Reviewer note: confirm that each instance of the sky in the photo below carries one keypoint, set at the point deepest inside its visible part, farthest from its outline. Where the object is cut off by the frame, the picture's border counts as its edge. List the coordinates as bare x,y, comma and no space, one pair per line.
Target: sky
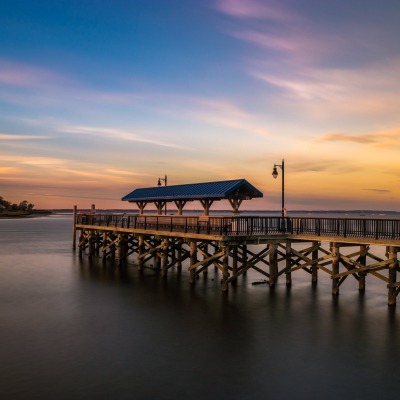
99,97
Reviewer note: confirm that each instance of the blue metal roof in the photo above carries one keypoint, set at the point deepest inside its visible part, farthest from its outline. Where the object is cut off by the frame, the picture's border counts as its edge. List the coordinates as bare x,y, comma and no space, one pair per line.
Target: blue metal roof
238,188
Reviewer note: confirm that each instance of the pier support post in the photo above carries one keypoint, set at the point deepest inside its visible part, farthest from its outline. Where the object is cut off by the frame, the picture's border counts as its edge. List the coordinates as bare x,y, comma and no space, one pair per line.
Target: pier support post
90,245
140,252
392,255
362,274
288,273
157,259
314,267
225,268
234,263
120,249
205,271
335,267
97,243
273,265
179,263
74,228
193,261
244,262
80,243
164,264
104,248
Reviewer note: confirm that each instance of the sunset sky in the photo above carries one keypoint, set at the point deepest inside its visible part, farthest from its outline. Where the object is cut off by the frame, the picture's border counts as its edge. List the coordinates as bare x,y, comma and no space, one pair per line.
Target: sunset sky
99,97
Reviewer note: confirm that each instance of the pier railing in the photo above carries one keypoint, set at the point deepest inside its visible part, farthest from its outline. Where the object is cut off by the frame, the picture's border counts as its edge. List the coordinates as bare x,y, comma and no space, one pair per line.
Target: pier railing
249,226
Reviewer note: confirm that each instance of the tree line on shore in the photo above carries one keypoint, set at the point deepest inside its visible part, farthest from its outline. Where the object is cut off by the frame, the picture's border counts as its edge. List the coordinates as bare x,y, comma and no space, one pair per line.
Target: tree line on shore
23,206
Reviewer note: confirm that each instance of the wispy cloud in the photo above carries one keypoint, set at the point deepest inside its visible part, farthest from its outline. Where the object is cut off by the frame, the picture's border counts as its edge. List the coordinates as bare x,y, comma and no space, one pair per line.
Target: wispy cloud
377,190
112,133
386,138
254,9
5,136
214,111
27,84
25,75
328,92
316,71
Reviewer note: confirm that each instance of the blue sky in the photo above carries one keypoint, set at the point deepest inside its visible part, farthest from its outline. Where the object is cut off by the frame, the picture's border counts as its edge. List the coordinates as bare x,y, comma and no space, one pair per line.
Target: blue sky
100,97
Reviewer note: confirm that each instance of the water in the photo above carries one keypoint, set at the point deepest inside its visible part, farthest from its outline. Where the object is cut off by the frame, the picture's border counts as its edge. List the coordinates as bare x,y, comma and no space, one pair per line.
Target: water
71,329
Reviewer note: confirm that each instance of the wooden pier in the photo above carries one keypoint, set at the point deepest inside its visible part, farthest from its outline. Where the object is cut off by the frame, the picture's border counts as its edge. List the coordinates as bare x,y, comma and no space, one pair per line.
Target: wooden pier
272,246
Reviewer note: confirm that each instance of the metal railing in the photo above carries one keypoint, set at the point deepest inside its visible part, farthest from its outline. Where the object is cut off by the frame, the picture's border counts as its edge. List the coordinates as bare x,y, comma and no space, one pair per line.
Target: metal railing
248,226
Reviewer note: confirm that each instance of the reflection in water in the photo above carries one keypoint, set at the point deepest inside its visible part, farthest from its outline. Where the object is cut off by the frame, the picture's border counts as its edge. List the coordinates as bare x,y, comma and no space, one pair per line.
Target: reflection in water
79,329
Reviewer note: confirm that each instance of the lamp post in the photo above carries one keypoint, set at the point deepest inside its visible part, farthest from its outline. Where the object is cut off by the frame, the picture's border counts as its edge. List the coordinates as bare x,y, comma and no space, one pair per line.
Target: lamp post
165,184
275,175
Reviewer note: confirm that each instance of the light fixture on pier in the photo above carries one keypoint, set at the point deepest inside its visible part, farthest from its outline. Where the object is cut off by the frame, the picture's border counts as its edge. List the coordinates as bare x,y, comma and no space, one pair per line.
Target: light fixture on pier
165,184
162,179
275,175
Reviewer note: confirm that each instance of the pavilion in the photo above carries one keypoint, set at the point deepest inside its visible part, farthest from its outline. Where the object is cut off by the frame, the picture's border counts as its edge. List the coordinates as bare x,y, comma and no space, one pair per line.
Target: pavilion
235,191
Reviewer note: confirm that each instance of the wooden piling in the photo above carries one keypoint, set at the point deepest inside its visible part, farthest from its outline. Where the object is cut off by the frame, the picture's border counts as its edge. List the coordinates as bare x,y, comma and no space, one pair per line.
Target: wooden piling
225,268
74,227
180,255
234,263
193,261
314,266
362,274
392,288
244,258
288,272
164,263
273,265
335,267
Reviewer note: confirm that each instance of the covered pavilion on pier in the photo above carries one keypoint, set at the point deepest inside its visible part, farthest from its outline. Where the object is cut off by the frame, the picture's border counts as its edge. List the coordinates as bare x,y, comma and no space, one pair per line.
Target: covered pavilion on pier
235,191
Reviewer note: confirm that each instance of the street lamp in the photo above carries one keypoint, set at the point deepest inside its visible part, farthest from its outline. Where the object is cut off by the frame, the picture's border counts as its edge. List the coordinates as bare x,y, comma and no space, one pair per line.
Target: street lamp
275,175
165,184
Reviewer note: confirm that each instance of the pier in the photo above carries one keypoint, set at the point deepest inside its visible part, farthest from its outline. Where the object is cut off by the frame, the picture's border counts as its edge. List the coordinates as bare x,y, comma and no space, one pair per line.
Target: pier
275,247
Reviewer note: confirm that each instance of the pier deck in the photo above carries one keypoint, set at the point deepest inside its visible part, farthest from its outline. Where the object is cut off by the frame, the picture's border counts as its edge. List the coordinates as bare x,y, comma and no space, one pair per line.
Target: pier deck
272,246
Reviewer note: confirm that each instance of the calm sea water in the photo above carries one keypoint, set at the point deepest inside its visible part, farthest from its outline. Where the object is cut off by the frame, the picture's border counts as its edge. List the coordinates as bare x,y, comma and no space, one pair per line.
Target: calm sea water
71,329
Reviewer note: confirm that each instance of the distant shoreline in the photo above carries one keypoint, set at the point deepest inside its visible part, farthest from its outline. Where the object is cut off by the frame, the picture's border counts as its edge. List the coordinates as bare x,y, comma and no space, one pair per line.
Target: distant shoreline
24,214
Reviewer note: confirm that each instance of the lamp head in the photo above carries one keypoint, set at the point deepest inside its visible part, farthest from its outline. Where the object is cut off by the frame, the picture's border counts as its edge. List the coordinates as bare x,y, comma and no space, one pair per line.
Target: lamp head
275,172
159,182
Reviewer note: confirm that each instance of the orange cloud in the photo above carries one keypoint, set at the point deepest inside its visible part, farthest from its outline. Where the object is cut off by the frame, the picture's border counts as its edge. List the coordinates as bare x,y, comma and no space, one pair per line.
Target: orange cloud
378,138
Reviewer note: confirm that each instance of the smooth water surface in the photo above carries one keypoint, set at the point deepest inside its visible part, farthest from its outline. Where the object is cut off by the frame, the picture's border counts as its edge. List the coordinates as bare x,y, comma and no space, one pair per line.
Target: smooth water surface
71,329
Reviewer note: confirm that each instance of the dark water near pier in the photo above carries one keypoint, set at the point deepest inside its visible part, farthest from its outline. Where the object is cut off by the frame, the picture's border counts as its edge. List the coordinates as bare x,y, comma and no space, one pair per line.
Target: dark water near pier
71,329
